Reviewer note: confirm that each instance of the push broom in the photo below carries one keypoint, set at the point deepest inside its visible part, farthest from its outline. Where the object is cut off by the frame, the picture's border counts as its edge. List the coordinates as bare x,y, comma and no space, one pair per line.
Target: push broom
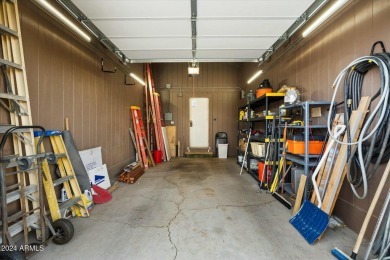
340,254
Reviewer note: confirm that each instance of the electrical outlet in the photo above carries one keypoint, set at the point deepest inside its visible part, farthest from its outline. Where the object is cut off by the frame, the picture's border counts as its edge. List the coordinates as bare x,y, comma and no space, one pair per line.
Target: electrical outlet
316,112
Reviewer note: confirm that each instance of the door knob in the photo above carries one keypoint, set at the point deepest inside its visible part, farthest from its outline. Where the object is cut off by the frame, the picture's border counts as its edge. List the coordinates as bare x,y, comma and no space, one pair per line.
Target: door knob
190,123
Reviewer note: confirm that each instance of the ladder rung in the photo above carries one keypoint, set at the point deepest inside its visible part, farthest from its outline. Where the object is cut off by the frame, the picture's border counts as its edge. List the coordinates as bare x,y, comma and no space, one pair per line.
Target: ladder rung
21,171
4,128
60,155
5,29
62,180
14,217
10,63
13,186
13,97
70,202
15,195
18,227
18,215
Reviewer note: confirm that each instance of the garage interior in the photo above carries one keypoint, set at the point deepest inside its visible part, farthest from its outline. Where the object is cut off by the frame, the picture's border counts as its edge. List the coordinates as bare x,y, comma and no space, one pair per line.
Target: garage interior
209,121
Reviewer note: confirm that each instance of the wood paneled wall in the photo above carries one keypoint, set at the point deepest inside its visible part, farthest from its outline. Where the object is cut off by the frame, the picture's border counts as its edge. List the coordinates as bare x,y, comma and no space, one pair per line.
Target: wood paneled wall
65,81
219,82
316,61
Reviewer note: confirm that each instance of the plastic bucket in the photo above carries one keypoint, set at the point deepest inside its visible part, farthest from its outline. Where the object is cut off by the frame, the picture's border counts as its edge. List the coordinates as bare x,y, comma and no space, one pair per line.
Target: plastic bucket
222,150
157,156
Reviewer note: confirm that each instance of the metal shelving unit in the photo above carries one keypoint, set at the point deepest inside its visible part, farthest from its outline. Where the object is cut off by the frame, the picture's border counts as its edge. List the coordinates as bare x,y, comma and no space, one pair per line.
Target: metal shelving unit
308,161
256,104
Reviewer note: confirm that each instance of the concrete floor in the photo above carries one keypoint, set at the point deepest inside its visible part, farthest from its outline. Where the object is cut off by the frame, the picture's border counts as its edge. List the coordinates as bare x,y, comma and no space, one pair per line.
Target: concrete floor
193,209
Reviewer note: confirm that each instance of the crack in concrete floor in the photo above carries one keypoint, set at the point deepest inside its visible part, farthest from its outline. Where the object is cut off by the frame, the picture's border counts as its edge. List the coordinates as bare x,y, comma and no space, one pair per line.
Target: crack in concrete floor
181,194
179,210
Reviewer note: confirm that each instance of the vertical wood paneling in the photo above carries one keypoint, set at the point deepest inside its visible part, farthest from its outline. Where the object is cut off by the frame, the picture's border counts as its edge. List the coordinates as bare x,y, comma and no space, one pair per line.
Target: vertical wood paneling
65,80
68,85
93,105
334,54
217,81
53,104
31,43
45,74
77,99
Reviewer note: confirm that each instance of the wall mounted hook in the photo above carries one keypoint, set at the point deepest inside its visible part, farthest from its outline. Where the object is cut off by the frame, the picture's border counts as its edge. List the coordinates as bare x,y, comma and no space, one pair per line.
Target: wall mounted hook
109,71
128,84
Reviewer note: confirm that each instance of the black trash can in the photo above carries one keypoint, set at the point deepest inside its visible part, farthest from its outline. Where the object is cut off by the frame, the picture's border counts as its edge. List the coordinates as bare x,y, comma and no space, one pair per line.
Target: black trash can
220,138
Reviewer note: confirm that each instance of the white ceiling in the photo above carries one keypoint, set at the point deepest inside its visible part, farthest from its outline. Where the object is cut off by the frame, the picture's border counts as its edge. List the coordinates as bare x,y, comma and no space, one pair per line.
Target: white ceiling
160,30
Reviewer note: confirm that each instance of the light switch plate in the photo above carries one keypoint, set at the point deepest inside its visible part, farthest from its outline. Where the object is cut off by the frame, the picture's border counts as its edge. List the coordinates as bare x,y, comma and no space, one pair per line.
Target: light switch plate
168,116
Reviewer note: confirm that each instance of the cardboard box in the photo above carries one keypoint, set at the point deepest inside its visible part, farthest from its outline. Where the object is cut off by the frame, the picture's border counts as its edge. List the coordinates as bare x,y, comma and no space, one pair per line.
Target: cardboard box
92,158
242,144
99,177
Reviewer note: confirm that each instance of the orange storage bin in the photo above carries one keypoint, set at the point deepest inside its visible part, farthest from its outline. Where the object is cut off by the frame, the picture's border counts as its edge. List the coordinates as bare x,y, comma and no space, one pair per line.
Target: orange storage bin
262,91
296,144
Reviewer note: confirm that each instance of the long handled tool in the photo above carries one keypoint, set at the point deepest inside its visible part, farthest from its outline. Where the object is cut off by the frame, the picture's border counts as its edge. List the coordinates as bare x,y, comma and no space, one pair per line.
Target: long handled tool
340,254
282,162
246,152
282,165
311,221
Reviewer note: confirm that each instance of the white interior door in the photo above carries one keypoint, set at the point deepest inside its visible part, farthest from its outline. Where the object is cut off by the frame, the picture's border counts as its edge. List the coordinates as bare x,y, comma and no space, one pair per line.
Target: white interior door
199,122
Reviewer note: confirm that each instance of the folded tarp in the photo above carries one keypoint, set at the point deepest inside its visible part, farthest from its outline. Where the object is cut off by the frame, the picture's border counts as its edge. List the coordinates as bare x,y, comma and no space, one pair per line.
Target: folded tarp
77,163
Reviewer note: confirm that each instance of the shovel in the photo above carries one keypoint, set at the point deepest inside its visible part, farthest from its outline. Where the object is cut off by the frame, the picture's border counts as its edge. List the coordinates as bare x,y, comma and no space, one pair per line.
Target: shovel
310,220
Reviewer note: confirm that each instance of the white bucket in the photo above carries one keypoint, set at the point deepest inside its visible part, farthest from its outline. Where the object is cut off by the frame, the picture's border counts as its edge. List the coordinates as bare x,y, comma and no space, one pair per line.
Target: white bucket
222,150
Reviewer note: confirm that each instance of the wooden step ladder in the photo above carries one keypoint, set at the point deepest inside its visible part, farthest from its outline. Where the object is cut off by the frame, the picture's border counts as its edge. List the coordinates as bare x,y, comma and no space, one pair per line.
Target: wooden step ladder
14,98
140,137
68,180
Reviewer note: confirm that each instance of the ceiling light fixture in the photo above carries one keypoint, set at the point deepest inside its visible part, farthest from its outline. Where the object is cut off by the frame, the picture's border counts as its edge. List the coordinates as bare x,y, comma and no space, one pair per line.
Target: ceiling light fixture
255,76
140,81
64,19
328,13
193,69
